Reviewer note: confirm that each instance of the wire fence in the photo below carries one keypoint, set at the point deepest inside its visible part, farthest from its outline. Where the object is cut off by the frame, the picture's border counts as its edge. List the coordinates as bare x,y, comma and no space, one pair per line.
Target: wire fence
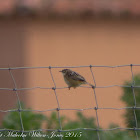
58,109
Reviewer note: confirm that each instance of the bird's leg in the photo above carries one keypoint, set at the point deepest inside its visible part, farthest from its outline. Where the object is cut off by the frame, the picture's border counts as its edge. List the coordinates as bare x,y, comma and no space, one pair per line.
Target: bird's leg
69,88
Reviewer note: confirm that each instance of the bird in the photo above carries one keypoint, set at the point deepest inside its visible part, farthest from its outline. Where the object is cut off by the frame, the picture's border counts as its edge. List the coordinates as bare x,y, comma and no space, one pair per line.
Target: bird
73,79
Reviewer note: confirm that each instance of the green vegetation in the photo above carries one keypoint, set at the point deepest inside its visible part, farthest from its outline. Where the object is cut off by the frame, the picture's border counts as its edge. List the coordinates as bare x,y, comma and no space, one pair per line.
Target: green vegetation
33,121
129,100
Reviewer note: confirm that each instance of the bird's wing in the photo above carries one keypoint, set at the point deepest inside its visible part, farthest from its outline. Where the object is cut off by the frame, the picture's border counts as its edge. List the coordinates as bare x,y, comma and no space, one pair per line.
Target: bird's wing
76,76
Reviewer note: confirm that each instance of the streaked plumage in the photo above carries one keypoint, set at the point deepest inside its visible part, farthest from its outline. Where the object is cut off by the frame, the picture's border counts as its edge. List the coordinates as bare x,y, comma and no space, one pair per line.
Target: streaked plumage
73,79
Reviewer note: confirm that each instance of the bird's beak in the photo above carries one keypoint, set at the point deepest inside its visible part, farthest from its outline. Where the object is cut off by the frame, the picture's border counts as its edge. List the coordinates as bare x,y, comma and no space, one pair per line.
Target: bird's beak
60,71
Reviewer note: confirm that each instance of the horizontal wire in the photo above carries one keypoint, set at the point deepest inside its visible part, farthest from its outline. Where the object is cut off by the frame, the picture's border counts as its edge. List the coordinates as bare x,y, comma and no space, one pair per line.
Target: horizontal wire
32,88
17,68
74,109
77,129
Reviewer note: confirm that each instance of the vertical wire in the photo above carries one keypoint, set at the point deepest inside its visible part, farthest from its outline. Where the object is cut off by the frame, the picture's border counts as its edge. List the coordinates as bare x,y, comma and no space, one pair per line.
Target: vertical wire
96,108
18,99
58,109
135,103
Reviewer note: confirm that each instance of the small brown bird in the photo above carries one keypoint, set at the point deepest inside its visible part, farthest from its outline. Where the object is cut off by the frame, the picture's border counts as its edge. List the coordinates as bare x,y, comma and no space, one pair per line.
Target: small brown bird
73,79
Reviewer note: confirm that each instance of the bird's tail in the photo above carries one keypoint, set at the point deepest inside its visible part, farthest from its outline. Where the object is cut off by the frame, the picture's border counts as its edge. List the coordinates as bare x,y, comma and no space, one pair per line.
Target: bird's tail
90,85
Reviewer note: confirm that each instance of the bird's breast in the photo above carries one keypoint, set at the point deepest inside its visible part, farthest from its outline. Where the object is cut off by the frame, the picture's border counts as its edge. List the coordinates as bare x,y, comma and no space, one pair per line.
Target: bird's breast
71,82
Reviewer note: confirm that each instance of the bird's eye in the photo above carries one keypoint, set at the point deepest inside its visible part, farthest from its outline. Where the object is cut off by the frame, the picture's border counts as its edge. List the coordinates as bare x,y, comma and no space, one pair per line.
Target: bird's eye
64,71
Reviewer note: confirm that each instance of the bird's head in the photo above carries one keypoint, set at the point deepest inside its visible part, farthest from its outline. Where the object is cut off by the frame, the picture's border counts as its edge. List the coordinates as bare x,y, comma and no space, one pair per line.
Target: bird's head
64,71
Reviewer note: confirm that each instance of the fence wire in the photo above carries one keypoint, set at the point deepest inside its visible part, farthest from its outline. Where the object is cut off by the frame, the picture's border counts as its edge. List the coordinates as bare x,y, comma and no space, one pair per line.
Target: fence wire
58,109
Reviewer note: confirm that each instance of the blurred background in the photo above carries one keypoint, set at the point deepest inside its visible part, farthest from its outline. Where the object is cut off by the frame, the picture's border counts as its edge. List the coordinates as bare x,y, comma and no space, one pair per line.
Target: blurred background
69,33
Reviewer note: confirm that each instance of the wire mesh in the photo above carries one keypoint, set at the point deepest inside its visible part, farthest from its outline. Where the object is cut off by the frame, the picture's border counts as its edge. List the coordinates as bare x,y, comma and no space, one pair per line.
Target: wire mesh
96,108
